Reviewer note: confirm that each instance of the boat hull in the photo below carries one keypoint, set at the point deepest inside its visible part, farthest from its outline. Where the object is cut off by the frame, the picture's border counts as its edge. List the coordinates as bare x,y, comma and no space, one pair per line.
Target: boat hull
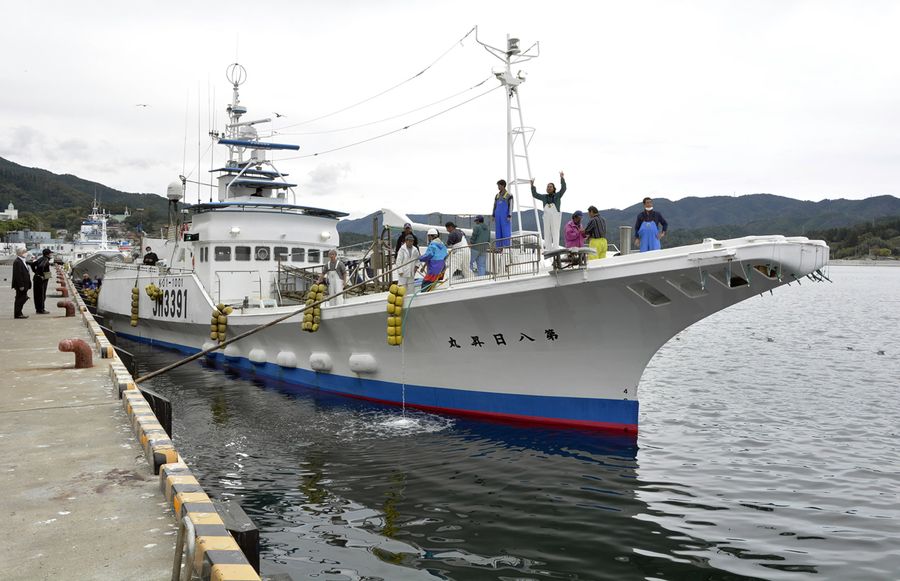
563,348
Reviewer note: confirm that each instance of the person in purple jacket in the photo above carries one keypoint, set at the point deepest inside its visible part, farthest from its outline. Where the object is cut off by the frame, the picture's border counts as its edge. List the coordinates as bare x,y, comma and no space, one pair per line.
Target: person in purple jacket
574,235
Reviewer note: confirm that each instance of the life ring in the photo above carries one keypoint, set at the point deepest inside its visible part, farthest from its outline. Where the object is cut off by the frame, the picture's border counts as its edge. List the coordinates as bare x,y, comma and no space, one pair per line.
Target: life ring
262,253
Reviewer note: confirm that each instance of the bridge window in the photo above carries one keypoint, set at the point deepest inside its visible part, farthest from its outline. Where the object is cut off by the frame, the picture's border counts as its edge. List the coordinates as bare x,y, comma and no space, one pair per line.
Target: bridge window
242,253
314,256
262,253
281,253
298,254
223,253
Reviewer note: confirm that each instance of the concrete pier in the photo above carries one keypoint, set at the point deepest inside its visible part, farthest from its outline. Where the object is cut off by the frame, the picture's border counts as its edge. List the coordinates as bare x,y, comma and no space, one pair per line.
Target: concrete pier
78,498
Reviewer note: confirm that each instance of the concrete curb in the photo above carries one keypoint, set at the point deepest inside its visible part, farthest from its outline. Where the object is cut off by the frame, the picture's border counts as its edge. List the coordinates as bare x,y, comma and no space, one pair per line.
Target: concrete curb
217,557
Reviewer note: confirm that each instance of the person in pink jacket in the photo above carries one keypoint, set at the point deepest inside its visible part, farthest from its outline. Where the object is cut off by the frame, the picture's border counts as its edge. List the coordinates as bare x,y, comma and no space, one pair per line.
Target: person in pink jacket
575,235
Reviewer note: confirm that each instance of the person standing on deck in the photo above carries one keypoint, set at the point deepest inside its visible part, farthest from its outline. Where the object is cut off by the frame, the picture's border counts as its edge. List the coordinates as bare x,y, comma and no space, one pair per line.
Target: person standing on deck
21,282
407,260
649,228
335,276
407,231
435,260
479,241
596,233
150,259
574,231
459,258
552,200
502,212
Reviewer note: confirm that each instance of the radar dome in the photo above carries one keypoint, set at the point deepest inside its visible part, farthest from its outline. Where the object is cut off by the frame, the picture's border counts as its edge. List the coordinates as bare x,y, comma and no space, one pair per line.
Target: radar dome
175,191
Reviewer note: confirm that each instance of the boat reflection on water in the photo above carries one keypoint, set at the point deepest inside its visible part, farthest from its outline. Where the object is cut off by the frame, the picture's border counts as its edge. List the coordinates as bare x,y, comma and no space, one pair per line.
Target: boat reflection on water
354,490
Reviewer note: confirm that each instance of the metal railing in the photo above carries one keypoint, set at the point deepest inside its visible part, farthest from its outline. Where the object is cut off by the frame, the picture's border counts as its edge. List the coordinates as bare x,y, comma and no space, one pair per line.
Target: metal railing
522,257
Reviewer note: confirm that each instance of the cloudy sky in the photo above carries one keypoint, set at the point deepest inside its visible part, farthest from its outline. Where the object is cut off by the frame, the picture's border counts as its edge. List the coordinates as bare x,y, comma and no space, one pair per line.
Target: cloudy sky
669,99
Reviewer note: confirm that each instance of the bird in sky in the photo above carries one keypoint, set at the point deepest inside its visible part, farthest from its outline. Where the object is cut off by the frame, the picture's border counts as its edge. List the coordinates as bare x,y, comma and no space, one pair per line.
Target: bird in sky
278,114
142,105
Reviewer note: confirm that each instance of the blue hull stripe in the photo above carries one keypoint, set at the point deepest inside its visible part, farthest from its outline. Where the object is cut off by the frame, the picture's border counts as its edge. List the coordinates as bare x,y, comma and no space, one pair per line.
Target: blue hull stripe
530,408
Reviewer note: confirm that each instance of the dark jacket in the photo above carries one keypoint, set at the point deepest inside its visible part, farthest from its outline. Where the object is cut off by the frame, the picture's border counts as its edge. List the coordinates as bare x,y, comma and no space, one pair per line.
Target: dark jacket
21,277
150,259
596,227
401,239
40,266
651,216
554,198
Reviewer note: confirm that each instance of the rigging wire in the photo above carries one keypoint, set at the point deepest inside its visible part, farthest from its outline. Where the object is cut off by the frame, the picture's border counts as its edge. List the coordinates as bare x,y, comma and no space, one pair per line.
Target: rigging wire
475,86
405,127
199,161
366,100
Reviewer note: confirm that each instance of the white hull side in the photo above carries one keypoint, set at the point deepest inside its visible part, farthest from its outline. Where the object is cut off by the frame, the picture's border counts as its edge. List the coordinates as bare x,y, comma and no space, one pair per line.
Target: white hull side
573,335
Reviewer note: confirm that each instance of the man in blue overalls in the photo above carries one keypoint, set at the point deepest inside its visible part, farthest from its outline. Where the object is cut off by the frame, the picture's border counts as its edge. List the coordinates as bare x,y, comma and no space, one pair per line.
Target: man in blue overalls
649,228
503,206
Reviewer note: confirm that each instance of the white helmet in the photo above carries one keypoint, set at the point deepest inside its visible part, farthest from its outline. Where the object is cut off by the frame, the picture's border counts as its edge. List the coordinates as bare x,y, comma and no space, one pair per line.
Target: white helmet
433,232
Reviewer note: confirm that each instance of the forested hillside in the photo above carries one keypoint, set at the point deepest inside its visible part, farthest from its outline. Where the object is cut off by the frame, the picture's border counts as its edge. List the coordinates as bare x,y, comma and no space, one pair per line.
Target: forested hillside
47,201
879,238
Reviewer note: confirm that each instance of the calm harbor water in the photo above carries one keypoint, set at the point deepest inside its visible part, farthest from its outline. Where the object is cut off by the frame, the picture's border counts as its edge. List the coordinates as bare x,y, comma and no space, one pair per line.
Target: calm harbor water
768,450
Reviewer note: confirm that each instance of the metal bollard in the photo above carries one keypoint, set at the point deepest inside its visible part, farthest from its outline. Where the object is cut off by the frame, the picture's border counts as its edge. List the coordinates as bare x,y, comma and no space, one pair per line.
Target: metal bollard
69,306
625,239
84,357
63,290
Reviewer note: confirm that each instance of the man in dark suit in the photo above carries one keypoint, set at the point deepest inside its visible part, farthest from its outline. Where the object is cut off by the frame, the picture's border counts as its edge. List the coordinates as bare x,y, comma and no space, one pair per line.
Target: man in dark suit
41,268
21,282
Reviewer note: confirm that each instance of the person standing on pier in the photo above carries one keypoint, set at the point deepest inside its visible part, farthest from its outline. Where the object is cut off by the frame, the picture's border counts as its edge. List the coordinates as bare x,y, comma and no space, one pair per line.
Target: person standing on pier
503,205
41,269
552,200
21,282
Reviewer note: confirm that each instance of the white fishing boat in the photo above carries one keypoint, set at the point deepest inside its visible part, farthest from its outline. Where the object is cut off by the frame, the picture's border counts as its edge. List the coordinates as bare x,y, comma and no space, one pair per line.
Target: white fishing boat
556,341
91,247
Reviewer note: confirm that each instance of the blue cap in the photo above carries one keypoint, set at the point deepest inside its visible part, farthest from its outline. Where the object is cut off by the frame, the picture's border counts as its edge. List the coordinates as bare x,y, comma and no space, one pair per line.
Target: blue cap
577,213
479,218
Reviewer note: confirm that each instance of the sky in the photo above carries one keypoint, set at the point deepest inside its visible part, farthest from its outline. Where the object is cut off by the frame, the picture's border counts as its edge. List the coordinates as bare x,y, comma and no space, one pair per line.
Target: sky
661,98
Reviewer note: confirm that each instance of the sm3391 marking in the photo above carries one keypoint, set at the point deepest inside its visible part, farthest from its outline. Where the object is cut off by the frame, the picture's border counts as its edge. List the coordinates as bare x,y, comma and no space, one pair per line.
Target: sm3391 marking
174,304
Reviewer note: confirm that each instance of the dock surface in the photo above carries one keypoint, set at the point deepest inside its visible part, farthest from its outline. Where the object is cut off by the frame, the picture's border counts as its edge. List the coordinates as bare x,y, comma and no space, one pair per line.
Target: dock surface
79,499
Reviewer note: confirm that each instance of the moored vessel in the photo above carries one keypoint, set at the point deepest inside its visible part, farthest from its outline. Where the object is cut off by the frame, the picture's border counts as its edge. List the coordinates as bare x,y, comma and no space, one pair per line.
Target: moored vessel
542,337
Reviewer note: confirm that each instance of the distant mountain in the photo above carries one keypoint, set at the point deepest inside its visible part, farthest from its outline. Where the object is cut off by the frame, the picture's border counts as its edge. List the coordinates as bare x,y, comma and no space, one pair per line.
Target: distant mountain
694,218
62,200
56,199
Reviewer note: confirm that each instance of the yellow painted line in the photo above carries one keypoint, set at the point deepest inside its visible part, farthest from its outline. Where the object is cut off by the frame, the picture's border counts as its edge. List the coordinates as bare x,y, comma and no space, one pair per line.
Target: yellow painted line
229,572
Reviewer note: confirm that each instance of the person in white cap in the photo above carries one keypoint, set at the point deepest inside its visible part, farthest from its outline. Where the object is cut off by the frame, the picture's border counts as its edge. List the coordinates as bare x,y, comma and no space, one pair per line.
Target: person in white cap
434,258
21,282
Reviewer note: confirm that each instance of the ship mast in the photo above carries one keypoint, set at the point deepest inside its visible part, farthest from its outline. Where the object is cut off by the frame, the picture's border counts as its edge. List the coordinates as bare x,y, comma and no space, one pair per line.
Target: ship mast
518,136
